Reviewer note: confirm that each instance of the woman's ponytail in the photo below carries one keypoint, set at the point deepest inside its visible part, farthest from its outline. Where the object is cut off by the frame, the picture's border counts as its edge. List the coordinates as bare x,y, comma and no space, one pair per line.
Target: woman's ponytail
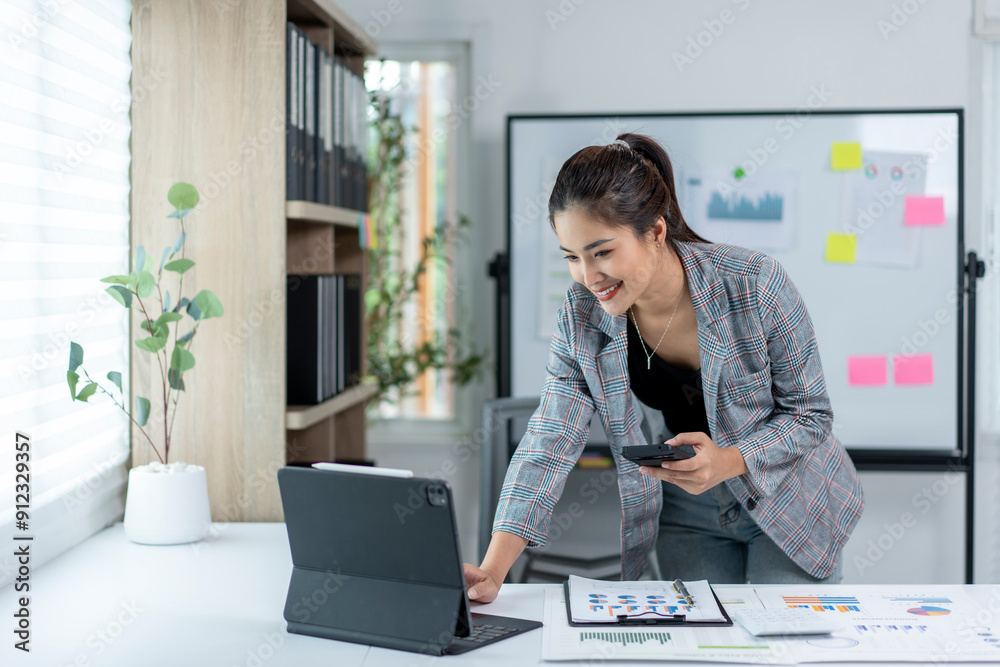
628,183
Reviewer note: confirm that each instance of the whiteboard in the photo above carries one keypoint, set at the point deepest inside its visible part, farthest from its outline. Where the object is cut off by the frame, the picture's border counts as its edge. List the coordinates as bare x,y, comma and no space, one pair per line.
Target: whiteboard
900,297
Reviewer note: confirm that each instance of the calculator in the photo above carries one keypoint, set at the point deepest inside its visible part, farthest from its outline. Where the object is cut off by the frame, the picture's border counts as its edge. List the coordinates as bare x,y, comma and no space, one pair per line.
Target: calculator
761,622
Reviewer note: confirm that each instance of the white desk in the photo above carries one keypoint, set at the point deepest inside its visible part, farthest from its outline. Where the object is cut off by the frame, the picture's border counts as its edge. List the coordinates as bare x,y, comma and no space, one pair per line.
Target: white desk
217,603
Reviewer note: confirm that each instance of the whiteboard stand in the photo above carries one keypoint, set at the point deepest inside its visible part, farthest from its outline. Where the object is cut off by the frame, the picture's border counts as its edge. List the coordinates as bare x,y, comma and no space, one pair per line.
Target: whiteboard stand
974,269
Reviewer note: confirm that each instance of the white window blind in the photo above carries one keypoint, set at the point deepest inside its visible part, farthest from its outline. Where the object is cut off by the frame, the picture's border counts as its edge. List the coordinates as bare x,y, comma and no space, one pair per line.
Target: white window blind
64,224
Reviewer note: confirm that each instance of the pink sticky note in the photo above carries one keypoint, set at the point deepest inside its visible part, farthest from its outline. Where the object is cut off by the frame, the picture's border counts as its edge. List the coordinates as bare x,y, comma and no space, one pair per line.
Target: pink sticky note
913,368
923,211
867,371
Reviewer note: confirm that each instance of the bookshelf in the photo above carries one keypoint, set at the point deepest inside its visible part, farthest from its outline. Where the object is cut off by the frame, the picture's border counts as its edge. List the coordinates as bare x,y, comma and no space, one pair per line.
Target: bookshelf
307,211
209,103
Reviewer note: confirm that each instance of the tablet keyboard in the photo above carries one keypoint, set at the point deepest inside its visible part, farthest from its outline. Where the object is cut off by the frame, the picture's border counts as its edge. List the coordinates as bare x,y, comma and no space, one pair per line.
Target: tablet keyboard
482,633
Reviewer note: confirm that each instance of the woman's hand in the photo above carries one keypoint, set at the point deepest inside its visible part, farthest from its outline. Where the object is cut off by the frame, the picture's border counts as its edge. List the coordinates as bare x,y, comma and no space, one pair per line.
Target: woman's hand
711,465
481,585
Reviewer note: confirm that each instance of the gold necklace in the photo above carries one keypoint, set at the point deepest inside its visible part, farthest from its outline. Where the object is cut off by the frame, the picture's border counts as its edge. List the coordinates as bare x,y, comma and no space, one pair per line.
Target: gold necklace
649,356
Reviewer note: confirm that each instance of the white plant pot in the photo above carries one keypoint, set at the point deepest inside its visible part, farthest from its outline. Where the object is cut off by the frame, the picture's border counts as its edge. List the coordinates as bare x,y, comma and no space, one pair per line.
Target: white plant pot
167,504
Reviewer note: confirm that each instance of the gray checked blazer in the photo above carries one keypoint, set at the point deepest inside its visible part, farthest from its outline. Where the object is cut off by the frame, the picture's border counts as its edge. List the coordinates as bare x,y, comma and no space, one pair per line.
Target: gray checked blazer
764,393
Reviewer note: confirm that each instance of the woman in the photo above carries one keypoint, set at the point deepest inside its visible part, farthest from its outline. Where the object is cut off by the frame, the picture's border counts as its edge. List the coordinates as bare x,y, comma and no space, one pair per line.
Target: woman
716,339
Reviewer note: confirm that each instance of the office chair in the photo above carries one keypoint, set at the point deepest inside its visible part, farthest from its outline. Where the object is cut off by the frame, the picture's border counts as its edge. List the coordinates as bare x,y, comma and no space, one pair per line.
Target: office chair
588,543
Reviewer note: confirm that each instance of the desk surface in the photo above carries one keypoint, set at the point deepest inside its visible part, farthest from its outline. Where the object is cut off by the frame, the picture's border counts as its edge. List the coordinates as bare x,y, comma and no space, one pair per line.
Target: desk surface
215,603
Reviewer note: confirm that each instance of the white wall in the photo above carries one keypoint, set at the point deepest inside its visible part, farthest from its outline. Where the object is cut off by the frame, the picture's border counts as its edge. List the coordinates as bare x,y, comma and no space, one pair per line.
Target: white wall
602,56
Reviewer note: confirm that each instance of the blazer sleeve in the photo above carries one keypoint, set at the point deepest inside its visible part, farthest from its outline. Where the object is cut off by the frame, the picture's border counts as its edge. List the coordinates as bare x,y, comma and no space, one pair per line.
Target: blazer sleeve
555,436
802,418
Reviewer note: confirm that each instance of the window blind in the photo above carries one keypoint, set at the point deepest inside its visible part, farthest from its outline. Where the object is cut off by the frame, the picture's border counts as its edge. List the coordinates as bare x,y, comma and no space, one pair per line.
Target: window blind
65,96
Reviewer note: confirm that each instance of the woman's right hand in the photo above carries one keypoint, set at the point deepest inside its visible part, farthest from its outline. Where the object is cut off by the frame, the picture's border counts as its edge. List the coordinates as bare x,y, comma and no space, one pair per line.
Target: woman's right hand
481,585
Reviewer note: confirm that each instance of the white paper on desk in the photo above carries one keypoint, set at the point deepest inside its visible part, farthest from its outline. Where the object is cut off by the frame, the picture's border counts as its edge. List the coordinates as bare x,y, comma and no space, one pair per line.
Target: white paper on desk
598,601
926,623
731,644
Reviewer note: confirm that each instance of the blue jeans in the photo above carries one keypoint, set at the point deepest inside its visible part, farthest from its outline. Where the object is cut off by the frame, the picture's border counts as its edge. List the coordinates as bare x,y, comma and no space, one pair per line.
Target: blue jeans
710,536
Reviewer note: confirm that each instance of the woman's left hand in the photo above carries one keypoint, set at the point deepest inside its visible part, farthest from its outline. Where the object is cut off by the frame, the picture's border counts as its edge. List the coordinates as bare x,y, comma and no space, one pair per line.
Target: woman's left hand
710,466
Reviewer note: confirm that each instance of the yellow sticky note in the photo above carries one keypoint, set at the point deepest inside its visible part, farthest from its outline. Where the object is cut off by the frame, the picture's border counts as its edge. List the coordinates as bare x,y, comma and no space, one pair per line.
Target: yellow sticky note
845,155
841,248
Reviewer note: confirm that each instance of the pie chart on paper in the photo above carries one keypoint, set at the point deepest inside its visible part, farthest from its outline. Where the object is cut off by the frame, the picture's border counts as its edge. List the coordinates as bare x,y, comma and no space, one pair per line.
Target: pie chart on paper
925,610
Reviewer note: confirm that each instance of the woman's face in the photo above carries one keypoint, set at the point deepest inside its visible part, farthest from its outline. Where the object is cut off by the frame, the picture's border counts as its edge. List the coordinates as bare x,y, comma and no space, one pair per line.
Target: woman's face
612,263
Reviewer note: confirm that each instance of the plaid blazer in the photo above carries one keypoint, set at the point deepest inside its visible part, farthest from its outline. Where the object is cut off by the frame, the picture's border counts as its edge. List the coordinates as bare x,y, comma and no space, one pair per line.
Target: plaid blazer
764,393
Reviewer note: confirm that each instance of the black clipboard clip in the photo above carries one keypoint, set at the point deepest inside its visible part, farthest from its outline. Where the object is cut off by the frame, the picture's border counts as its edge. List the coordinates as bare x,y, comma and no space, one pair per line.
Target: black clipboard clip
657,620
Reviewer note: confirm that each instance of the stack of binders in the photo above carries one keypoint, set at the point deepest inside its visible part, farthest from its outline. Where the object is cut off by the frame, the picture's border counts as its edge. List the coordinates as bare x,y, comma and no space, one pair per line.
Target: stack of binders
326,125
324,336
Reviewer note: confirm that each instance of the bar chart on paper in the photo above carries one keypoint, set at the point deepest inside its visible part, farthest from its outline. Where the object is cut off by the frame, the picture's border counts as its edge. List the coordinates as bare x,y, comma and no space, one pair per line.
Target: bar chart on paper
613,605
625,638
560,641
823,603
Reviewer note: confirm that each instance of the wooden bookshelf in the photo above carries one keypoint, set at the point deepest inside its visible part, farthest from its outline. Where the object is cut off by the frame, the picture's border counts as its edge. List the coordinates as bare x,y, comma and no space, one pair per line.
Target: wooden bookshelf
300,417
308,211
208,84
348,35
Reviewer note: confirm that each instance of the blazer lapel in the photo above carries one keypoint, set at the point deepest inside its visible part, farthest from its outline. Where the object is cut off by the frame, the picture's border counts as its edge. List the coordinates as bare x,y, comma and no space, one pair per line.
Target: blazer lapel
711,306
612,367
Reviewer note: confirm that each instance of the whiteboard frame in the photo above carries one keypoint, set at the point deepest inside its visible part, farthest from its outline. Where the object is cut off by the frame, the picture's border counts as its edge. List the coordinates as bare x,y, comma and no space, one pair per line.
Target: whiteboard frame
867,458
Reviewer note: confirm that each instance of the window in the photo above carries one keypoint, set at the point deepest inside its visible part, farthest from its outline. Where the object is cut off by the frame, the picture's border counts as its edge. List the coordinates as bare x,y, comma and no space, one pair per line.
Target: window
64,224
425,94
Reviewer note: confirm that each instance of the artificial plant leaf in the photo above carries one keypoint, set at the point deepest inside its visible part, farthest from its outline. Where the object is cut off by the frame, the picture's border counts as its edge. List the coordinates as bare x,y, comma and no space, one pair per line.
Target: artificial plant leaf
120,280
180,213
151,344
166,302
72,379
116,377
176,379
180,304
141,410
186,337
147,283
181,360
121,295
183,196
209,304
179,265
140,258
133,279
156,329
193,310
75,355
162,320
163,260
87,392
180,243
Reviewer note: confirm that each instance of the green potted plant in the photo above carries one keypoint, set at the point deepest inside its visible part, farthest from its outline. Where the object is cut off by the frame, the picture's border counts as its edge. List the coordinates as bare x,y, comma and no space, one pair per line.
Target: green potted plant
166,502
395,362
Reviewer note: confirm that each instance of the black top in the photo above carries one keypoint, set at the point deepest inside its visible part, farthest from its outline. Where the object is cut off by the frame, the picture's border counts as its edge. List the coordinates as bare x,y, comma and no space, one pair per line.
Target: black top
676,393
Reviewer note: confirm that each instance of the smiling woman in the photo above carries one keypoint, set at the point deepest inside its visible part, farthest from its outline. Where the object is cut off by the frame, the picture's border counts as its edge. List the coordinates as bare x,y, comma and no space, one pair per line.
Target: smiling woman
716,339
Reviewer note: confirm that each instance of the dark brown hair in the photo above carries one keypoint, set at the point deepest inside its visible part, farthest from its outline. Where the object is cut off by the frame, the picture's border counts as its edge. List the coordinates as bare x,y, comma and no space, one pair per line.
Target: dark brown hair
624,186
